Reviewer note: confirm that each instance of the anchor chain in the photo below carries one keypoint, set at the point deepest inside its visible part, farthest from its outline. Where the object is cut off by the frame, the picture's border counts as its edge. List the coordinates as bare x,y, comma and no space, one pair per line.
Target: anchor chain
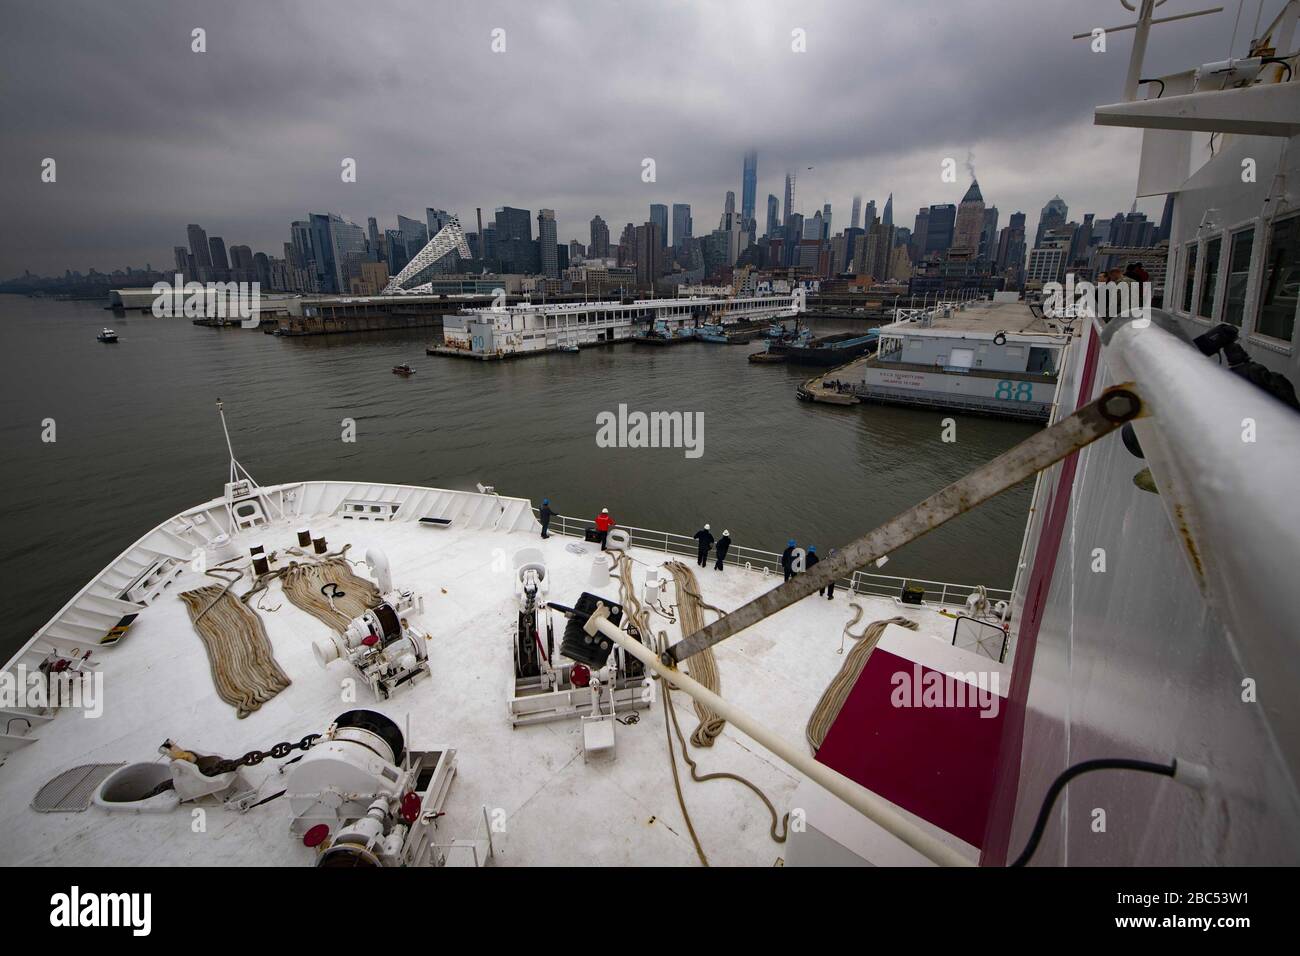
254,757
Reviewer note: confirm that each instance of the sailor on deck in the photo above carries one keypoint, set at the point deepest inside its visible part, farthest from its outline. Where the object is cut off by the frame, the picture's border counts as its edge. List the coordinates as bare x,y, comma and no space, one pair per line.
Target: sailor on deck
705,539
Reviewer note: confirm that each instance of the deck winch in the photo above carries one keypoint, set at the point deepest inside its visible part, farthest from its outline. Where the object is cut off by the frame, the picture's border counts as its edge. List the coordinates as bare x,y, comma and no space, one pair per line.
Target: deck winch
380,644
362,798
583,677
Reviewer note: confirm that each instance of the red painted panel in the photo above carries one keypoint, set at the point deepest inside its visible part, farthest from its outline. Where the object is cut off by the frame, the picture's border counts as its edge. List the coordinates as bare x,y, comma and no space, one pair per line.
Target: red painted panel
936,762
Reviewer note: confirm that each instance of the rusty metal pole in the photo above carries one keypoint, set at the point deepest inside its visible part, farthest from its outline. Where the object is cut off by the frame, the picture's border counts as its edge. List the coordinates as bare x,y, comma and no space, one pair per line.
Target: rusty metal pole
1094,420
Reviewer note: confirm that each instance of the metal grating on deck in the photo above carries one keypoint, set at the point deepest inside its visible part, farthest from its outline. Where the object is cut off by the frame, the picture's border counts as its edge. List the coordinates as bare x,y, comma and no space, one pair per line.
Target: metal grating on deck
71,791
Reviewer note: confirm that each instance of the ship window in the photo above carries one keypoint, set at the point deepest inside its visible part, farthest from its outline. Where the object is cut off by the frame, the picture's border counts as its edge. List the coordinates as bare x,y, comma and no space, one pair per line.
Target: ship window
1210,279
1234,303
1189,277
1280,289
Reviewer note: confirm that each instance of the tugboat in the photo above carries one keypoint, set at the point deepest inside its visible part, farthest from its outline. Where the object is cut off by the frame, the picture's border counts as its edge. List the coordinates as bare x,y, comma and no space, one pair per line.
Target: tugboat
108,336
403,370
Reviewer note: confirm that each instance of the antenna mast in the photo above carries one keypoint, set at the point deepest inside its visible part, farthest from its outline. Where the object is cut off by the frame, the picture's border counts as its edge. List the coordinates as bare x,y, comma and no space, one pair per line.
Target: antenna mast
237,471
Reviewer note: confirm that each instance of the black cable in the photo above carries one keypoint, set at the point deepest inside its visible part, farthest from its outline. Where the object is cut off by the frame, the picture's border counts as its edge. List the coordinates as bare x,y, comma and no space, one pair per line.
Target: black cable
1068,774
1162,86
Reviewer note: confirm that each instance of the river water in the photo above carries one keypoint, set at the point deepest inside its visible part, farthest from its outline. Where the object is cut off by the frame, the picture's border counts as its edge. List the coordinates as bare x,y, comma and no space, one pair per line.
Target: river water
138,440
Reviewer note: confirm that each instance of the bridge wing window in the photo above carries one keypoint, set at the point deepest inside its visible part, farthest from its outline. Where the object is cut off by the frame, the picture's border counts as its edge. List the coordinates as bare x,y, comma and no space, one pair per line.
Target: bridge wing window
1210,279
1234,305
1189,278
1280,288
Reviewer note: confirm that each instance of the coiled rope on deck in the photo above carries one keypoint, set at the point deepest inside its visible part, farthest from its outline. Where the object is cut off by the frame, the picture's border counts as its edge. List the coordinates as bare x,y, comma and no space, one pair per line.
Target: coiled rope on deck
302,584
243,665
704,665
837,692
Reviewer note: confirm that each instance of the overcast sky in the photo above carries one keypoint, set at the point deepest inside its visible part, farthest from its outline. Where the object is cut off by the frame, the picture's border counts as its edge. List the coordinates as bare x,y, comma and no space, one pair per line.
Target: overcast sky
149,136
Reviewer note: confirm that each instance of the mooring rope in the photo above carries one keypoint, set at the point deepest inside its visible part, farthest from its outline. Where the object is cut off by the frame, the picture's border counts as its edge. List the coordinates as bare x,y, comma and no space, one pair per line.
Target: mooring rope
837,692
637,614
302,585
704,665
243,665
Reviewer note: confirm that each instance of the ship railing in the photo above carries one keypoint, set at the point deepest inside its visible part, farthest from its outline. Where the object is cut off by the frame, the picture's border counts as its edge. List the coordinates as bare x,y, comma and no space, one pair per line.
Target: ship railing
865,583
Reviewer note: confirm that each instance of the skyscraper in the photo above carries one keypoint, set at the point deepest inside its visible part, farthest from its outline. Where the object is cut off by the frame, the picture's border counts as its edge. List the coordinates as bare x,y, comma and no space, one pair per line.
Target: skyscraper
322,251
1052,216
1011,250
826,222
599,247
220,265
887,219
869,215
939,229
649,253
970,220
435,219
856,216
681,222
348,242
659,216
789,198
749,185
200,251
514,240
773,216
989,234
415,236
547,244
920,232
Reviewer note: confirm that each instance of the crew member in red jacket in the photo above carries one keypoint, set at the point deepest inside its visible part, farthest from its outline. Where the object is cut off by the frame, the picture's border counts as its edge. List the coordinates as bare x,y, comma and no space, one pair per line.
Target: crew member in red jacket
603,523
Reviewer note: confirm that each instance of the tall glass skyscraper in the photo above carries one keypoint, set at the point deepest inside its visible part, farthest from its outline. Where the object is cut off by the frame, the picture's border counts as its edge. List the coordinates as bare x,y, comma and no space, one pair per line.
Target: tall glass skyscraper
514,240
681,222
749,185
659,216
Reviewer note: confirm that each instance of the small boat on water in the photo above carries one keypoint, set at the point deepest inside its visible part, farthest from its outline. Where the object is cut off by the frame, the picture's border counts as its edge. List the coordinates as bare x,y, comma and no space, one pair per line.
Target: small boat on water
403,370
827,350
765,356
108,335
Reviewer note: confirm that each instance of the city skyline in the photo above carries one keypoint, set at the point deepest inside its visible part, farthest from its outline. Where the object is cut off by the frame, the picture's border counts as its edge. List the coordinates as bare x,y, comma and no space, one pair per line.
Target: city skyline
146,144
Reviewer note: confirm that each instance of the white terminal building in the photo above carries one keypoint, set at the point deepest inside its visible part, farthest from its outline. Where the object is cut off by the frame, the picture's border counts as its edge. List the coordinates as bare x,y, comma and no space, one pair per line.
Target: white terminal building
539,327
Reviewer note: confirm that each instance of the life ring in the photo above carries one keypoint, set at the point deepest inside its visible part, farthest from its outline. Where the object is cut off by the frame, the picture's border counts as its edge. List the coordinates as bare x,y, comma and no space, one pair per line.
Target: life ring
1000,339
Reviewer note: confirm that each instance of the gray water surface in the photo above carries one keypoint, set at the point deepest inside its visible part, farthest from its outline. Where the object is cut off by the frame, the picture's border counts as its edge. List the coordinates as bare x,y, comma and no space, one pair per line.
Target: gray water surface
138,440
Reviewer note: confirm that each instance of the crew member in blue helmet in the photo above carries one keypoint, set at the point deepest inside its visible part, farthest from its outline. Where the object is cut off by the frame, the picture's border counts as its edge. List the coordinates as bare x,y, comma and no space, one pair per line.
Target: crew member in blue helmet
787,559
546,514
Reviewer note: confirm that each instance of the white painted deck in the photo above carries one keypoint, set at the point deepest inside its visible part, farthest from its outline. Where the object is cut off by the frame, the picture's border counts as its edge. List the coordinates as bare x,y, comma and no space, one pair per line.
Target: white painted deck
558,809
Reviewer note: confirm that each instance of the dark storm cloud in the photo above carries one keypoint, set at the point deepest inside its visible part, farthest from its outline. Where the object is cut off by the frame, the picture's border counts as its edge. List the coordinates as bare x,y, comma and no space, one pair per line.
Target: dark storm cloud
150,136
